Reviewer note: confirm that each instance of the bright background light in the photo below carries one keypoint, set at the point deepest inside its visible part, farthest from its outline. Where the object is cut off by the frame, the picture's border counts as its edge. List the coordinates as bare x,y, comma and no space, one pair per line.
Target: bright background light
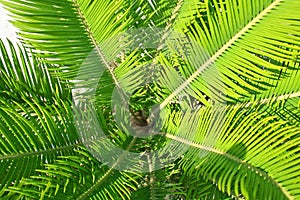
7,30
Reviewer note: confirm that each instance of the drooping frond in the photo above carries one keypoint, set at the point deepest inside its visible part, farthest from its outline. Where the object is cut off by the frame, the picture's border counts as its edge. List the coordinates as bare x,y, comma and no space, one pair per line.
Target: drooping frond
28,75
77,176
35,124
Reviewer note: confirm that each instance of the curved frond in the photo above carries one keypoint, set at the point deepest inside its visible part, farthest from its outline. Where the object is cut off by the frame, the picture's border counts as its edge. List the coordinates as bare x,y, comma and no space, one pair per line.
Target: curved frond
232,55
241,147
29,76
221,77
75,177
35,116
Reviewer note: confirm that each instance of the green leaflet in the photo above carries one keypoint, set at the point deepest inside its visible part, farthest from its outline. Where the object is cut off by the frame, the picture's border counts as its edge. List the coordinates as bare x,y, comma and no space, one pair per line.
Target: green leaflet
228,80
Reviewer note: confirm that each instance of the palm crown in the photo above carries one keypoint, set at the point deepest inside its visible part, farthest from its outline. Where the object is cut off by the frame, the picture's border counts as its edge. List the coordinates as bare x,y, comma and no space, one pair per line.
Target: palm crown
221,76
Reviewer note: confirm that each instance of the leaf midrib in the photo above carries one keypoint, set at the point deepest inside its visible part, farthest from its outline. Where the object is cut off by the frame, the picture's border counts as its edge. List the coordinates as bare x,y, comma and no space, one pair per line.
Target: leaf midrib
96,46
221,51
39,152
173,16
180,88
231,157
109,68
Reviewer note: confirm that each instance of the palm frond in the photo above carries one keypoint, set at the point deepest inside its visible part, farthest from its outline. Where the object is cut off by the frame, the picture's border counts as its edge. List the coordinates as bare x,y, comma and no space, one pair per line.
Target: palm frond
31,135
75,177
239,147
71,28
237,57
224,75
28,75
35,122
199,188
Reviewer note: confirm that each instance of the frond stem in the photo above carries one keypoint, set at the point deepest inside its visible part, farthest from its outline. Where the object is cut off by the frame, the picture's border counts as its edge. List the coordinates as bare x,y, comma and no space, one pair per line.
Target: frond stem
212,59
231,157
40,152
